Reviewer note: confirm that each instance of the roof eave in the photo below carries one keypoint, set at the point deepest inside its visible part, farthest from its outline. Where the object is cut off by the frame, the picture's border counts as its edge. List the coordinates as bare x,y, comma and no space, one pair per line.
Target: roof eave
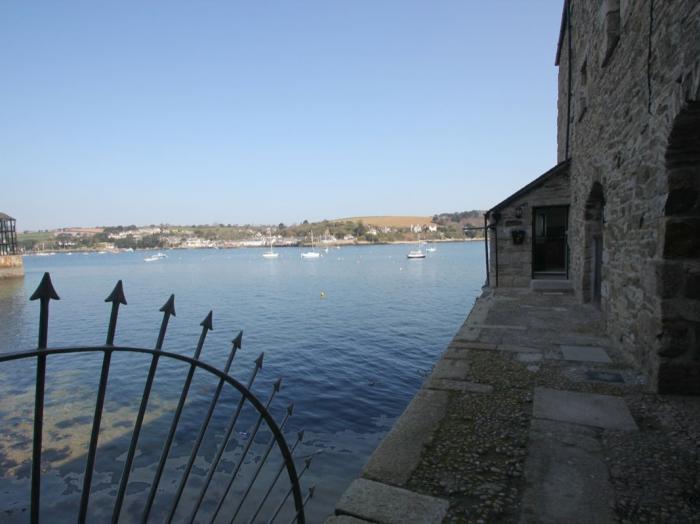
559,168
562,30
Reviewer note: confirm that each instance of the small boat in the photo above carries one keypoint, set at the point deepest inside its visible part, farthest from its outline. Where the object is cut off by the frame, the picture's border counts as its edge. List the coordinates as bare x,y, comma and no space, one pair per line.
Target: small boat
271,253
157,256
431,249
416,253
313,253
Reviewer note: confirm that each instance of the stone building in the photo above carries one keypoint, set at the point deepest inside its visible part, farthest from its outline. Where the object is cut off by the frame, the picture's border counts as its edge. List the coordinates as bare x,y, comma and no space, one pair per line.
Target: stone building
622,207
10,260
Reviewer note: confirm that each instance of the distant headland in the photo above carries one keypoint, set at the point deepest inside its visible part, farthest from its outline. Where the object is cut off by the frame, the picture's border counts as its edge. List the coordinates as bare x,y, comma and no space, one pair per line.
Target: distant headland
442,227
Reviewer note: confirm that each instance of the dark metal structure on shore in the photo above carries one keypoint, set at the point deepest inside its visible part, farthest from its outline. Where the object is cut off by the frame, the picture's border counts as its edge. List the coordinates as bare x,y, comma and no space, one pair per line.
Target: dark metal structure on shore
8,235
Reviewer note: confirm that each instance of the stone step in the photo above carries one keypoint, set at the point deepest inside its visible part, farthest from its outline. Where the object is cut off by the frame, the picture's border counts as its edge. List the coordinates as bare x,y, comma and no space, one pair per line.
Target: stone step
551,286
377,502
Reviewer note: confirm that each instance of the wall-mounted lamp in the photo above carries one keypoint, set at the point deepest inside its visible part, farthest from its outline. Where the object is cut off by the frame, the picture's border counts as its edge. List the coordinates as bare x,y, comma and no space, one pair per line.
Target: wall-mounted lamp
519,212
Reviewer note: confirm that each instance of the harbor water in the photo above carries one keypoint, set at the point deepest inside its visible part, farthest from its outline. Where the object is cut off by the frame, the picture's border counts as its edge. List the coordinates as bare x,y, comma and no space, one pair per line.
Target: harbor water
353,334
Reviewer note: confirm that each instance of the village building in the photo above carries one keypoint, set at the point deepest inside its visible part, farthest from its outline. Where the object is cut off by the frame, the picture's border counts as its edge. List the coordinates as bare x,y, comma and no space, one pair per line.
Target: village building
617,220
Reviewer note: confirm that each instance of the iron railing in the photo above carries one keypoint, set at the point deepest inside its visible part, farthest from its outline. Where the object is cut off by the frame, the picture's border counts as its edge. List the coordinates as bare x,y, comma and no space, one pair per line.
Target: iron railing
228,512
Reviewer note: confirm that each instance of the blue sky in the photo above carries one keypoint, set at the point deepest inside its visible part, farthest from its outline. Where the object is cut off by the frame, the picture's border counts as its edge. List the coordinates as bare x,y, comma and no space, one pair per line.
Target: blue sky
265,112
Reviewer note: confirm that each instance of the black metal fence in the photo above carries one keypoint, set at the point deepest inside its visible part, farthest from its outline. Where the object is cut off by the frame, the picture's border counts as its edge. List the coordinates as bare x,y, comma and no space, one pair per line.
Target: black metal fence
258,498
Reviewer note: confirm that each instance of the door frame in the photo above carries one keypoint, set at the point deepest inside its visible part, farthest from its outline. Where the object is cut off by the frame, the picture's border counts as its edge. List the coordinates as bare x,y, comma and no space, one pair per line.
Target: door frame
540,274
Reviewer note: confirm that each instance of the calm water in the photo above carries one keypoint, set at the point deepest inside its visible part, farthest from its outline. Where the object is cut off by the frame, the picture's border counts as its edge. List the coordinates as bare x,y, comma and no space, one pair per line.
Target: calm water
351,360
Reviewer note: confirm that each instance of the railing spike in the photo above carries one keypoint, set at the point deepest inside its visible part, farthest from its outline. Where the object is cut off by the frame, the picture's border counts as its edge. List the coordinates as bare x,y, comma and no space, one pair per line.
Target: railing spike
167,309
236,344
290,409
207,322
238,340
309,496
227,436
259,360
275,390
307,465
300,437
116,297
45,292
117,294
278,384
45,289
206,326
169,306
263,459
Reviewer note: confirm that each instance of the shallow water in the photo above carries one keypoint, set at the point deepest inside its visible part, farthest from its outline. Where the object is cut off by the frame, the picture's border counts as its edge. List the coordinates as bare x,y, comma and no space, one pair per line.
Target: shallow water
353,334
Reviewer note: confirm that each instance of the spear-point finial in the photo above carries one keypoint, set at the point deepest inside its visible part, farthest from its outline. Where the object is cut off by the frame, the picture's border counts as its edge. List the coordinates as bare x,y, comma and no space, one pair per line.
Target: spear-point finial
206,327
169,307
278,385
307,461
312,489
168,310
207,322
300,435
117,295
45,290
290,409
259,360
238,340
44,293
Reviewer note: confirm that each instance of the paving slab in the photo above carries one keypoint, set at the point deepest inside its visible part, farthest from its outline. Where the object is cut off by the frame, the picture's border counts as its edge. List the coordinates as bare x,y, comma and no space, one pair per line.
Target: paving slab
451,368
378,502
605,376
399,452
588,409
462,386
566,476
499,326
514,348
528,357
457,352
585,354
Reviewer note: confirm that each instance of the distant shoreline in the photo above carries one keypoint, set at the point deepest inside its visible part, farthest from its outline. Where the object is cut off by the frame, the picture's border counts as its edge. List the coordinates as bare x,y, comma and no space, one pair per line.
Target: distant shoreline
338,244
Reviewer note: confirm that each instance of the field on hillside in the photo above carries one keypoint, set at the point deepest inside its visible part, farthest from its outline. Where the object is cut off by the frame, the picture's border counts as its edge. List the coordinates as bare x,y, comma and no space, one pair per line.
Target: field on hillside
389,221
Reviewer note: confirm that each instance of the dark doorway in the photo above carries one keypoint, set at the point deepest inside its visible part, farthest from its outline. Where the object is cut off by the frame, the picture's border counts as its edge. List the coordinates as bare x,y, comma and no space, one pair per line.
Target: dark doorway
679,274
549,247
593,245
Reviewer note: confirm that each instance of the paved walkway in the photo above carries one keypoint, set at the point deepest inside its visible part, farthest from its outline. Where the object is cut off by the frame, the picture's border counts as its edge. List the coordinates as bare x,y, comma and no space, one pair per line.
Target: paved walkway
531,415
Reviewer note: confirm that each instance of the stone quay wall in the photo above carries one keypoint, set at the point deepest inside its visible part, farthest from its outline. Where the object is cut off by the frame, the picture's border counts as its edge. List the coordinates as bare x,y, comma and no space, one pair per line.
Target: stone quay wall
515,260
634,71
11,266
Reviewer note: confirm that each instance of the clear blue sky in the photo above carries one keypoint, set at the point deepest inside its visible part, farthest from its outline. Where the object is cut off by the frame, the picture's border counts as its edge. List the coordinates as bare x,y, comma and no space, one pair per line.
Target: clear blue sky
264,112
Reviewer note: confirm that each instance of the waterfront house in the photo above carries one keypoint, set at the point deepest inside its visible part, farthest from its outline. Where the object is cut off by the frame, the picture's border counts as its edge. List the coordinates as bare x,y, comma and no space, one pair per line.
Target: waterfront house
617,220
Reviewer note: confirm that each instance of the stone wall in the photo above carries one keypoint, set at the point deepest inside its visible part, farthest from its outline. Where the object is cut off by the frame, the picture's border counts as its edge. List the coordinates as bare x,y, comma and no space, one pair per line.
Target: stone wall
11,266
515,260
635,67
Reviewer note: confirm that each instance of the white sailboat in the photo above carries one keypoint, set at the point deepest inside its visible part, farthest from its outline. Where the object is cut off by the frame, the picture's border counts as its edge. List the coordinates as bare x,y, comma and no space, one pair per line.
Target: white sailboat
156,257
416,253
271,253
313,253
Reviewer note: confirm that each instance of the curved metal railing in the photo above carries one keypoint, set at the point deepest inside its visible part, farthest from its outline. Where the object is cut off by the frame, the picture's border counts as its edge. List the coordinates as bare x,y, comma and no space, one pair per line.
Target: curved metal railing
226,510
